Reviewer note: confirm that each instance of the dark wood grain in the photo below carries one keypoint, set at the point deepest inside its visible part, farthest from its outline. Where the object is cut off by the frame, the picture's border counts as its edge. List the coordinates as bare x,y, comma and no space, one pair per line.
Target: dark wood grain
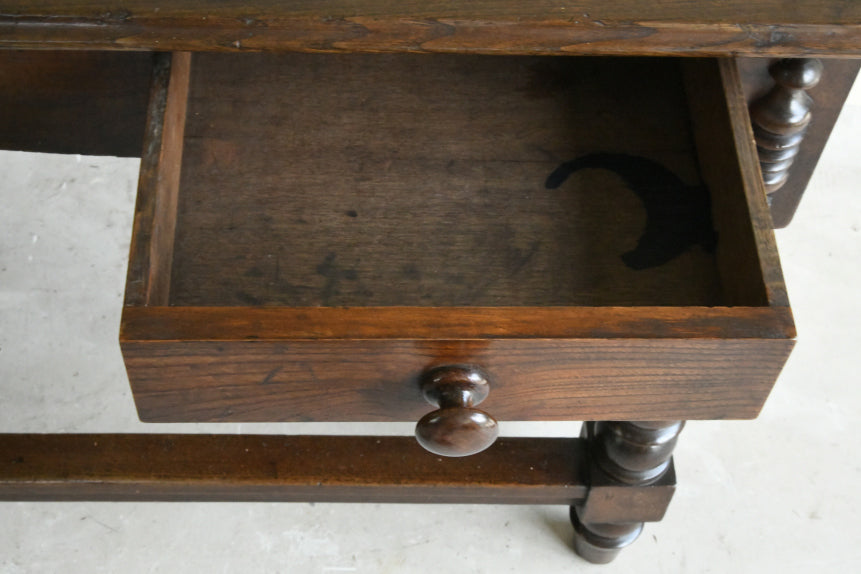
838,77
614,27
91,103
540,379
285,469
421,181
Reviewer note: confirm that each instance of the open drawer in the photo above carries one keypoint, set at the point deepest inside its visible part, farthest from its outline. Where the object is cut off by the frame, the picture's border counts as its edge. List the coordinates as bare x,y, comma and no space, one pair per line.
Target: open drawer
313,232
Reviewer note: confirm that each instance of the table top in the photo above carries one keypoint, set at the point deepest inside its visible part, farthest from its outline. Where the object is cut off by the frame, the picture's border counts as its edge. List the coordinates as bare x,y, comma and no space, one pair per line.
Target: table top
613,27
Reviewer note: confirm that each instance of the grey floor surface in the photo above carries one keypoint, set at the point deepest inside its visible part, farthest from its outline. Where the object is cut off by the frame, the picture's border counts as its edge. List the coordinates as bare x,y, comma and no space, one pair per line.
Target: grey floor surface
777,494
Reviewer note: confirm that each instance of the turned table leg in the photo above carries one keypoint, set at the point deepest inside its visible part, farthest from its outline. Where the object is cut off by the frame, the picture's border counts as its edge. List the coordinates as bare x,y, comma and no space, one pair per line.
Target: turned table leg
794,105
638,455
781,117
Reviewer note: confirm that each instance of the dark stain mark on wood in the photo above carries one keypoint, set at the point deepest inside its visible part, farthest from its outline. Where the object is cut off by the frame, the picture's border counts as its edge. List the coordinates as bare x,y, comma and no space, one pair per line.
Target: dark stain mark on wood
270,375
678,215
333,274
329,271
410,271
524,257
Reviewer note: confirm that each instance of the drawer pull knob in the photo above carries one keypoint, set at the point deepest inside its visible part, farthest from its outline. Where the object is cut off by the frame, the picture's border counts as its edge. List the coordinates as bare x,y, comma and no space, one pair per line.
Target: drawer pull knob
456,428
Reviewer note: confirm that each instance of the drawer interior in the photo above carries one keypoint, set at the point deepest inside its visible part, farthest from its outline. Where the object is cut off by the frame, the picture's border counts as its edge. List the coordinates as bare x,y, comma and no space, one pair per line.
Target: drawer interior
413,180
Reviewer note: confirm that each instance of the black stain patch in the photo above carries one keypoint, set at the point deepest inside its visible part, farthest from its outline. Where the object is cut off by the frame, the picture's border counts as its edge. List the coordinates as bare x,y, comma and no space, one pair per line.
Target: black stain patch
334,274
329,270
351,213
678,216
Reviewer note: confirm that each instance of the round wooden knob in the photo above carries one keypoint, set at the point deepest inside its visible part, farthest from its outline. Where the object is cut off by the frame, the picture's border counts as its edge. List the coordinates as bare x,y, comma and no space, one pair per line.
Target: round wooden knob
456,428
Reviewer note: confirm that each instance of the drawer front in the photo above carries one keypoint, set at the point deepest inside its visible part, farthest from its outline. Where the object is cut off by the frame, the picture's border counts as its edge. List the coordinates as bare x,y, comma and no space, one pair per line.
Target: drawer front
378,380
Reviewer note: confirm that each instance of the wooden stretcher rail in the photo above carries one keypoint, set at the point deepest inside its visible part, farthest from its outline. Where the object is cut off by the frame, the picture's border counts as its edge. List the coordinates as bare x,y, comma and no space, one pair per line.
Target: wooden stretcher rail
252,468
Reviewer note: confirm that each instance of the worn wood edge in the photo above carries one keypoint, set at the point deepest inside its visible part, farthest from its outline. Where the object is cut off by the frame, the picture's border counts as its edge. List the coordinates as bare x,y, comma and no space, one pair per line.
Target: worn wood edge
154,227
760,213
433,323
592,27
137,275
152,467
169,168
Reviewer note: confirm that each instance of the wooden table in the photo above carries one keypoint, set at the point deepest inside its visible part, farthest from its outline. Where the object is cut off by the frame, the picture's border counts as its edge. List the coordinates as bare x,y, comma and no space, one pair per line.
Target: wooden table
64,61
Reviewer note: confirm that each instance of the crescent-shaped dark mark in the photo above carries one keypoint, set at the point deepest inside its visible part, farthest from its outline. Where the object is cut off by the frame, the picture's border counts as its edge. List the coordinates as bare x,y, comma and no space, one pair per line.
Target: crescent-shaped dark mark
678,216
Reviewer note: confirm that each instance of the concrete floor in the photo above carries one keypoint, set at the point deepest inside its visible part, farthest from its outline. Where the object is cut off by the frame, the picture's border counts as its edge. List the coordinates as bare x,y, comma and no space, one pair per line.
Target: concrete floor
780,492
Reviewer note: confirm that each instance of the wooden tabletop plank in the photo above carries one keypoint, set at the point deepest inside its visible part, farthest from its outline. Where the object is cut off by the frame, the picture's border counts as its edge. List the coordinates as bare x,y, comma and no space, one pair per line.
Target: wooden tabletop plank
836,12
684,27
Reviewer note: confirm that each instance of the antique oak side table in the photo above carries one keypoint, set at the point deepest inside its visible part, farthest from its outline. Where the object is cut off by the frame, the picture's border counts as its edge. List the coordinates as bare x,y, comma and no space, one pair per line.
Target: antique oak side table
389,211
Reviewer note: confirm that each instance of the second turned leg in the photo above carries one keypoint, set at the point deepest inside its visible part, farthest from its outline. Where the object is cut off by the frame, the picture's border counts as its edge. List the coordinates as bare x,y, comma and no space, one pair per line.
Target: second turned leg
637,455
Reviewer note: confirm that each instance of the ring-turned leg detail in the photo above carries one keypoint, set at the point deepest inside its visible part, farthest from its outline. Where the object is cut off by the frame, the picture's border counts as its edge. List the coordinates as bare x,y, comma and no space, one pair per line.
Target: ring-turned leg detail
639,455
780,118
601,543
